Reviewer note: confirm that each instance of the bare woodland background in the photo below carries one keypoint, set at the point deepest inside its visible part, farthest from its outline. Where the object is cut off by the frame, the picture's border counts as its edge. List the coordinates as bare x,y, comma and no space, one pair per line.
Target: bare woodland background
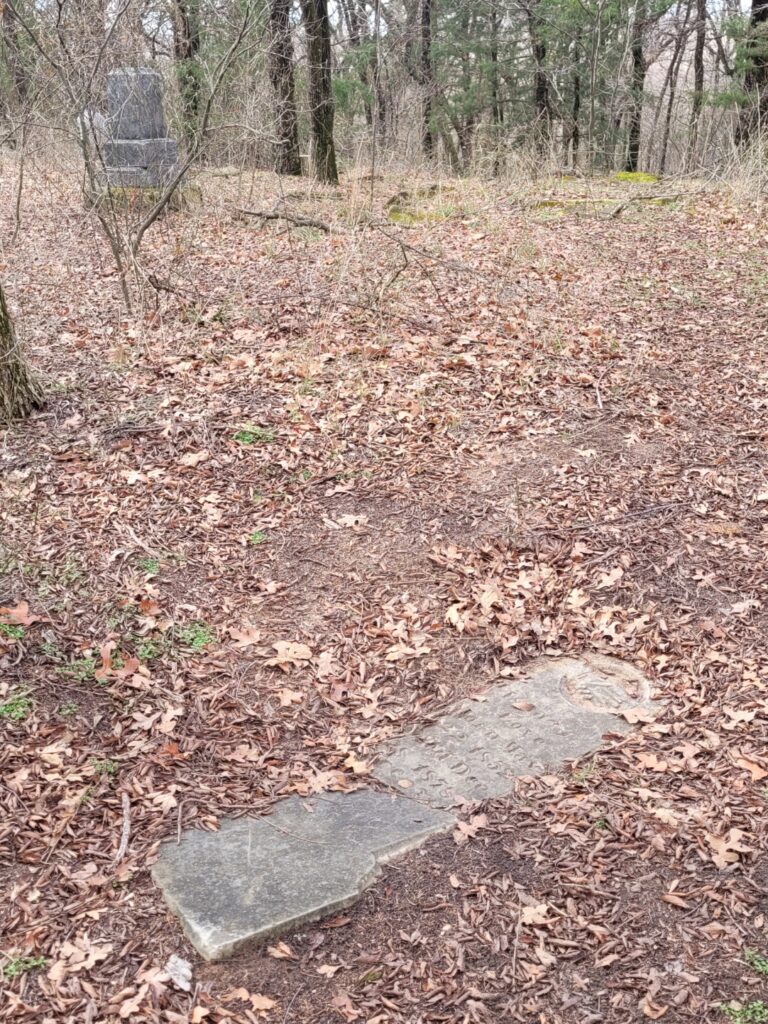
476,86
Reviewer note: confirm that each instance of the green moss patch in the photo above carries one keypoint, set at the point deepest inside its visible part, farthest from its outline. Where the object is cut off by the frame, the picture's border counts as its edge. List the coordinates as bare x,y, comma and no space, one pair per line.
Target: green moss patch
636,177
408,217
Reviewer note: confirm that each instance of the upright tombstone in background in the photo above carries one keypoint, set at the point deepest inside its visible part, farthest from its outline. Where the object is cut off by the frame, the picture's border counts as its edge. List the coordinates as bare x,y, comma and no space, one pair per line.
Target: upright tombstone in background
139,153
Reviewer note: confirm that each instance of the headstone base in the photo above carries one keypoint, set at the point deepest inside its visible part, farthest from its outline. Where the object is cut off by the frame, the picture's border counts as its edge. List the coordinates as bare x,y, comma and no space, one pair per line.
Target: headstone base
139,177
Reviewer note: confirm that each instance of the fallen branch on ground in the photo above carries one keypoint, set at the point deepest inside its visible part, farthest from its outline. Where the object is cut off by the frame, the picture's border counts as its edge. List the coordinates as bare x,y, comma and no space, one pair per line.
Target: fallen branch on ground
291,218
671,198
126,831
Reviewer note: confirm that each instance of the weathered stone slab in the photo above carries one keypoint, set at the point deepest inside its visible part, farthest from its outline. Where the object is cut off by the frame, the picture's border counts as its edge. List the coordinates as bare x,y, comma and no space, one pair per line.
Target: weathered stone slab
559,711
145,153
139,154
257,877
140,177
135,102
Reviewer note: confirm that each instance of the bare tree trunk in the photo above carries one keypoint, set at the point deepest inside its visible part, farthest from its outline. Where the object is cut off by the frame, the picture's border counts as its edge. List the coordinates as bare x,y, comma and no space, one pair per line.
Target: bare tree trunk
355,23
427,77
186,45
497,111
9,30
639,68
572,137
287,155
541,104
379,88
466,122
19,391
318,29
756,76
674,67
698,83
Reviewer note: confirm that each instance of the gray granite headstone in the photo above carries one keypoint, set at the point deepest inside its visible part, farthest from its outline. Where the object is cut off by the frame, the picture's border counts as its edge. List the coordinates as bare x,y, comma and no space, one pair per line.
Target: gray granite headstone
139,152
258,877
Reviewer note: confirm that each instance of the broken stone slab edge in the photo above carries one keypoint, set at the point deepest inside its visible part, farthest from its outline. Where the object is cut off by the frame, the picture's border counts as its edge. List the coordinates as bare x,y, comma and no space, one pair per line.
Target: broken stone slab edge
216,947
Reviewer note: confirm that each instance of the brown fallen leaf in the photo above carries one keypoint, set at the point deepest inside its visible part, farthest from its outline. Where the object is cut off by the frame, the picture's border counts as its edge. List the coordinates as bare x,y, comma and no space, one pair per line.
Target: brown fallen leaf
535,915
755,770
245,636
344,1005
19,615
466,830
353,521
726,849
288,697
260,1002
149,607
290,653
336,922
607,579
742,607
192,459
607,960
282,951
78,955
652,762
635,715
235,995
653,1010
358,767
675,900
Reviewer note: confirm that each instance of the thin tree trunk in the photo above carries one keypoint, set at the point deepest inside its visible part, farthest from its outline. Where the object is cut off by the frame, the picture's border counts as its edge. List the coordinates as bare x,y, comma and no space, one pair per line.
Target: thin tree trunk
355,29
379,90
465,127
698,83
186,45
19,391
318,28
573,140
637,86
10,36
281,75
497,111
677,57
541,103
756,76
596,49
426,76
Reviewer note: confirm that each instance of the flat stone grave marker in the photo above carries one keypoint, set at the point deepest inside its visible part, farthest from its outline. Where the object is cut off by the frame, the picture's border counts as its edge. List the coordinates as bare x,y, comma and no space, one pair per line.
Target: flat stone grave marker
258,877
558,711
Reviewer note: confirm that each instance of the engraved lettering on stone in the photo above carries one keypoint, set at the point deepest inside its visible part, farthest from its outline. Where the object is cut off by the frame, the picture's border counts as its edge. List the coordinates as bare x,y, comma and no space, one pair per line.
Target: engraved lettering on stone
479,748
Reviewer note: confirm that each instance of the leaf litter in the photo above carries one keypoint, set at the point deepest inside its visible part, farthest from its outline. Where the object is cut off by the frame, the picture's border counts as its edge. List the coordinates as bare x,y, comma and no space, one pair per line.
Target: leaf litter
546,438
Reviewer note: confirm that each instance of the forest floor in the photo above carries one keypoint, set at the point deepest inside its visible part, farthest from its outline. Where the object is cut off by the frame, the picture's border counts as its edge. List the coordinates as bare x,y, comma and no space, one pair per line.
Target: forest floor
325,485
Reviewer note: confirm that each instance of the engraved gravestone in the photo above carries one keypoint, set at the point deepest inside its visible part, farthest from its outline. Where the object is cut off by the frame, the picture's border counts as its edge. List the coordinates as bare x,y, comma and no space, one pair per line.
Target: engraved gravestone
139,153
559,710
259,877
